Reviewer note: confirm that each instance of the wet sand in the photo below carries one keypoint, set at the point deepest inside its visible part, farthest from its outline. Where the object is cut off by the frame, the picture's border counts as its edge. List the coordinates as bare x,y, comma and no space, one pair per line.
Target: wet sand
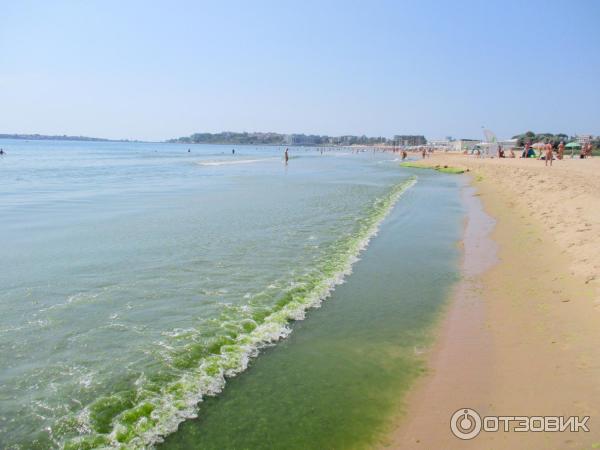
520,338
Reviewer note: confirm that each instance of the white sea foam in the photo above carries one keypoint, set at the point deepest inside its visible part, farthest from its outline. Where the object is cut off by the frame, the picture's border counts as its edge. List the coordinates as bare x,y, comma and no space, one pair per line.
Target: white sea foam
178,400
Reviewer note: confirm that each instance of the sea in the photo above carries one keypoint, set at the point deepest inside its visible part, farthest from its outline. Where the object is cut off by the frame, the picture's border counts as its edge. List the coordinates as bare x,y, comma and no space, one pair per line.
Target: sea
180,296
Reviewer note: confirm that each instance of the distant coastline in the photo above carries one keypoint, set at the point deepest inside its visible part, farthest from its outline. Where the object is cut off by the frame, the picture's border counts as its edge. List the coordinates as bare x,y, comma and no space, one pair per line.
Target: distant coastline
269,138
245,138
44,137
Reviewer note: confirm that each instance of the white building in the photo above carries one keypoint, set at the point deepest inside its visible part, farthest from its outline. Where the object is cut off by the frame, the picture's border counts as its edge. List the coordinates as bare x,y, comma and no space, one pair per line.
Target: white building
584,138
507,144
460,145
440,144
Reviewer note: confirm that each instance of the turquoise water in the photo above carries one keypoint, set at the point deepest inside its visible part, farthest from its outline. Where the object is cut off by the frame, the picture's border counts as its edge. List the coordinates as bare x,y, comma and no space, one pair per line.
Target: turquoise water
138,278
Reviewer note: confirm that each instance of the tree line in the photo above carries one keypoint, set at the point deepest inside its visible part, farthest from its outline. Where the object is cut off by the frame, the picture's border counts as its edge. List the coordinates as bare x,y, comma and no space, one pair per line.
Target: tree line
554,139
259,138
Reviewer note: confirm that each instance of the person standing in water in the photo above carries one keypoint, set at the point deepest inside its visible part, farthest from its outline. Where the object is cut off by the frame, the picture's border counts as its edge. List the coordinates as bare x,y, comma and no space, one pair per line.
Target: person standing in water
286,156
404,155
233,151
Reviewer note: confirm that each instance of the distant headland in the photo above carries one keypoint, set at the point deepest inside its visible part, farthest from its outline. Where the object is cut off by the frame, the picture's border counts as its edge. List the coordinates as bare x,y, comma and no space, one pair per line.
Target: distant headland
245,138
261,138
64,137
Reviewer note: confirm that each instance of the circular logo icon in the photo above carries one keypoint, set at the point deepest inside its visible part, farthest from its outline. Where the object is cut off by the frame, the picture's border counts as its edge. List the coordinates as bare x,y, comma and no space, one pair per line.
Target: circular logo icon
465,423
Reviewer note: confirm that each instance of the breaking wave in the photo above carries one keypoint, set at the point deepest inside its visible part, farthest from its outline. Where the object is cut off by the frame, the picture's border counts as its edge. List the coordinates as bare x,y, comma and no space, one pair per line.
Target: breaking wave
141,416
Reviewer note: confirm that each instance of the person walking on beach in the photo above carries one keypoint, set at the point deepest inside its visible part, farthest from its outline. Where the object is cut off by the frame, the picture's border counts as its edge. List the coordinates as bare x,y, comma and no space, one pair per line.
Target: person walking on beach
423,153
286,156
548,156
561,150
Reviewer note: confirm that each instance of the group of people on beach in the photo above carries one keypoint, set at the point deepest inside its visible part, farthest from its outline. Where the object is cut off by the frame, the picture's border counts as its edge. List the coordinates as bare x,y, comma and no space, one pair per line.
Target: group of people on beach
548,151
502,153
586,151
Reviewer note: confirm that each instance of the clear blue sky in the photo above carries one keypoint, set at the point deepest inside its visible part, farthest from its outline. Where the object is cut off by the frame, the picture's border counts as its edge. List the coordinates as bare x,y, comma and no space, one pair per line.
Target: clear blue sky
155,70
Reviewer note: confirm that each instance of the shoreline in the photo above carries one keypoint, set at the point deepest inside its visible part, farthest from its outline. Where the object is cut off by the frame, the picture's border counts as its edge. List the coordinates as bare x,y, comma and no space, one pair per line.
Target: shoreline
517,338
343,370
459,330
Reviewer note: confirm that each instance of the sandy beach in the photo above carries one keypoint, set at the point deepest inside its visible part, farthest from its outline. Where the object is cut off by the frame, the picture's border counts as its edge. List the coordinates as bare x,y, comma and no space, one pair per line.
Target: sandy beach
521,333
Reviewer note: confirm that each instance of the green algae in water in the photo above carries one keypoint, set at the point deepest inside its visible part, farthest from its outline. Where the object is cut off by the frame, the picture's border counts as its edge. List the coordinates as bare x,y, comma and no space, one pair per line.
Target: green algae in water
414,165
337,380
443,169
149,300
453,170
164,400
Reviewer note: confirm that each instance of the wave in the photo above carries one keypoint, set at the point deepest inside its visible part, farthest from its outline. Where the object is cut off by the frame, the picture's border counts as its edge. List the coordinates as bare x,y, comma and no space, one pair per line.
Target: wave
141,418
233,162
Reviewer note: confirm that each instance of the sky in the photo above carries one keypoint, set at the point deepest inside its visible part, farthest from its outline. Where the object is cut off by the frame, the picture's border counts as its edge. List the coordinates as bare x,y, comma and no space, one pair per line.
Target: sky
155,70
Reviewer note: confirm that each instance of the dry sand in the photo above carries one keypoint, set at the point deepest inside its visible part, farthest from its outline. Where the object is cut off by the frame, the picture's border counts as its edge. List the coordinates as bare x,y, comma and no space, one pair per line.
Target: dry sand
521,338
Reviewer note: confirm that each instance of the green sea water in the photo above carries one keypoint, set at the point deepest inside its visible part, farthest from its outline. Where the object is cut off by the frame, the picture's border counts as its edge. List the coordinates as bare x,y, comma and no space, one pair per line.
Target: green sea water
338,381
150,292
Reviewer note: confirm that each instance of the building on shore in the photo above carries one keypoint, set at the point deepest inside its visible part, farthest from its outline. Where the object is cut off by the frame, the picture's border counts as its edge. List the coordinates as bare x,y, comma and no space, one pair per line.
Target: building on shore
460,145
584,138
440,144
507,144
410,140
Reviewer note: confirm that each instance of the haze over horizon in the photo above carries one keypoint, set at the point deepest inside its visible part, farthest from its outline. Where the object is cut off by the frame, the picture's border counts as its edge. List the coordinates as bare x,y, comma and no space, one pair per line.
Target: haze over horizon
153,71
